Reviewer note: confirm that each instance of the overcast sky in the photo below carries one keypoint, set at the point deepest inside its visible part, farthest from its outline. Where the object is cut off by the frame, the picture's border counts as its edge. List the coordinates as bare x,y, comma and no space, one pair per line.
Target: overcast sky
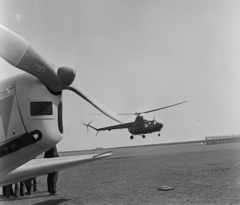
138,55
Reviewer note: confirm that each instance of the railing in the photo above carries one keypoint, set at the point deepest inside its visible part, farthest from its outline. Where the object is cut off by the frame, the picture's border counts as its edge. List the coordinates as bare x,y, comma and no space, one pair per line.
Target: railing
222,139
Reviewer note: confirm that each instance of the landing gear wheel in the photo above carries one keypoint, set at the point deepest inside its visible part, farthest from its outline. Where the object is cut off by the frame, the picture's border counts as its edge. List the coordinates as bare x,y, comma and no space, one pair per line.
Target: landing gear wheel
143,136
159,135
131,137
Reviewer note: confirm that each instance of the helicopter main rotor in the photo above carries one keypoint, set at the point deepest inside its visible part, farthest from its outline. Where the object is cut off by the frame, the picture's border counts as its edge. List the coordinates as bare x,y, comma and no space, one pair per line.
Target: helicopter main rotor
139,113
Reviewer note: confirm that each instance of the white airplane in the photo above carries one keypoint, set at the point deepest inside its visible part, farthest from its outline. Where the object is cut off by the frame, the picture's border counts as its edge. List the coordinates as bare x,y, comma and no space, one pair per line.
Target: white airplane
31,112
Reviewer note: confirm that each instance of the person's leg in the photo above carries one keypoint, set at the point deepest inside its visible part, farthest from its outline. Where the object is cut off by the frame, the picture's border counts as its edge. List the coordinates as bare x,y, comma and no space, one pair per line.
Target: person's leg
17,189
11,190
54,183
4,190
34,184
22,188
8,191
49,179
30,189
27,186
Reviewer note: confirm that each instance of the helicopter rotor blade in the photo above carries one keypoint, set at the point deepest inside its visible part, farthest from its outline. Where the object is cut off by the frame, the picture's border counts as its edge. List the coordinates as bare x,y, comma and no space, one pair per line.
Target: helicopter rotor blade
139,113
162,108
127,113
117,114
19,53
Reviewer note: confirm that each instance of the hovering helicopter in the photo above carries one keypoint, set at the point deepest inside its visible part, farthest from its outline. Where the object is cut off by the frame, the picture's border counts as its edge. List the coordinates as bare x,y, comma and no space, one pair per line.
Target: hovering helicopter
140,126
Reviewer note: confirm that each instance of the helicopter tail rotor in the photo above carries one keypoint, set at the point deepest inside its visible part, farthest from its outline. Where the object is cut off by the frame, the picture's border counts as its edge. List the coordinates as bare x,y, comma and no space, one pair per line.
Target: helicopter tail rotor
87,125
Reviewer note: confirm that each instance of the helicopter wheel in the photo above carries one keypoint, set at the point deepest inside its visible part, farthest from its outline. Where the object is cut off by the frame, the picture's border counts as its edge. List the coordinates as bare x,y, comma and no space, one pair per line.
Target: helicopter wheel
143,136
159,135
131,137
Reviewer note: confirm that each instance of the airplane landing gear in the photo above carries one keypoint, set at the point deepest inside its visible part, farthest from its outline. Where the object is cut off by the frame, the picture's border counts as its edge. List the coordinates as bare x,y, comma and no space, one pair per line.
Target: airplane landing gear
131,137
159,135
143,136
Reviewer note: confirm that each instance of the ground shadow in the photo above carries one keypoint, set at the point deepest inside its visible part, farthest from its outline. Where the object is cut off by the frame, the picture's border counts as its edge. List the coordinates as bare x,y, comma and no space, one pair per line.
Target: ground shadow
12,198
52,202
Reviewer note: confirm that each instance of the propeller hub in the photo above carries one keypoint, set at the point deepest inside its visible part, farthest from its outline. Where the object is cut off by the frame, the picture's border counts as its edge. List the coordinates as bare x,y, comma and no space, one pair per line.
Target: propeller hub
66,75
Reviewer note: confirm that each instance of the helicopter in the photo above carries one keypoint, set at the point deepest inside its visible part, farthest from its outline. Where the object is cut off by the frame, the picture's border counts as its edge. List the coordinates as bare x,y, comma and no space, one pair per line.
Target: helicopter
140,126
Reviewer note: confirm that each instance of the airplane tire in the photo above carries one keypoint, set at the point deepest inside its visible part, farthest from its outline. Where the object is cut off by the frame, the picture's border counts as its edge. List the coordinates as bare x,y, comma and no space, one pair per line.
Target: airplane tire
158,135
143,136
131,137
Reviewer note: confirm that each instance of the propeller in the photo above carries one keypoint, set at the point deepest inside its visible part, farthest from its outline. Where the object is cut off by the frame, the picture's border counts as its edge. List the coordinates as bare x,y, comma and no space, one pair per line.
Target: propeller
139,113
87,125
19,53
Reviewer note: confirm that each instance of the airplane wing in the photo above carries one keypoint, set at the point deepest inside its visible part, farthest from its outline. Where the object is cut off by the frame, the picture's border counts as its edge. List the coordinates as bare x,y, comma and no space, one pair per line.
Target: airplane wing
113,127
39,167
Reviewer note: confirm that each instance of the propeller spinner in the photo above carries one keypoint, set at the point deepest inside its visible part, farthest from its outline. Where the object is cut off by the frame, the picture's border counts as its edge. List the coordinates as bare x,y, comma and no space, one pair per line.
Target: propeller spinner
19,53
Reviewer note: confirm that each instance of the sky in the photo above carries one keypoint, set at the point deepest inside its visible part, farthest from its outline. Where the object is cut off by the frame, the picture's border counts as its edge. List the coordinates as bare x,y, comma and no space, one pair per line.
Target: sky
135,56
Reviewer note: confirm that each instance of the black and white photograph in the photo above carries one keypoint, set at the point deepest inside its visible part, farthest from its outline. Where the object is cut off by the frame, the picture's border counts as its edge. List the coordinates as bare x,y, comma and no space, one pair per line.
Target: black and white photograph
114,102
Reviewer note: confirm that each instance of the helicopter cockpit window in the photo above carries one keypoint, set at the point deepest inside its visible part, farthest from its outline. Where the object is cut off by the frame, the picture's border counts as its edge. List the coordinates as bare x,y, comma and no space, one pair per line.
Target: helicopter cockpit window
145,125
41,108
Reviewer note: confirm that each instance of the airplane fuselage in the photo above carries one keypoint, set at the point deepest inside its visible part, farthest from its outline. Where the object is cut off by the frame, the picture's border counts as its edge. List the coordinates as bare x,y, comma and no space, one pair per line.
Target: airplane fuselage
30,120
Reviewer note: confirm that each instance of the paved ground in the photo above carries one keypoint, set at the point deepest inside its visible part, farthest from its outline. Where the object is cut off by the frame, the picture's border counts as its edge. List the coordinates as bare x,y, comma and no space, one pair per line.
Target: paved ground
200,174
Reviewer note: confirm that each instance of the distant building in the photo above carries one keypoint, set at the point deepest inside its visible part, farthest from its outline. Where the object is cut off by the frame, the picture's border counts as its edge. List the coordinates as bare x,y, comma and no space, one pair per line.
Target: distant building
222,139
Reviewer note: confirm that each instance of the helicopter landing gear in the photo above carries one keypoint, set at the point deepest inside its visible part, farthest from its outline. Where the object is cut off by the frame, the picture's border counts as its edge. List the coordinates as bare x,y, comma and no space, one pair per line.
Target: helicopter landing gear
131,137
143,136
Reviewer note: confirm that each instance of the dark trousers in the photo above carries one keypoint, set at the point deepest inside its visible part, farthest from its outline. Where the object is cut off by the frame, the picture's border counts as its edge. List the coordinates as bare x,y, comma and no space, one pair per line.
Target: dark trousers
9,190
26,186
52,182
22,188
34,184
29,186
4,190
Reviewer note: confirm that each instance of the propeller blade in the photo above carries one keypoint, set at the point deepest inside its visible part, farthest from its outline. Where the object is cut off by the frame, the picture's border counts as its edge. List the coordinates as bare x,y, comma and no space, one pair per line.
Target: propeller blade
18,52
162,108
97,104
